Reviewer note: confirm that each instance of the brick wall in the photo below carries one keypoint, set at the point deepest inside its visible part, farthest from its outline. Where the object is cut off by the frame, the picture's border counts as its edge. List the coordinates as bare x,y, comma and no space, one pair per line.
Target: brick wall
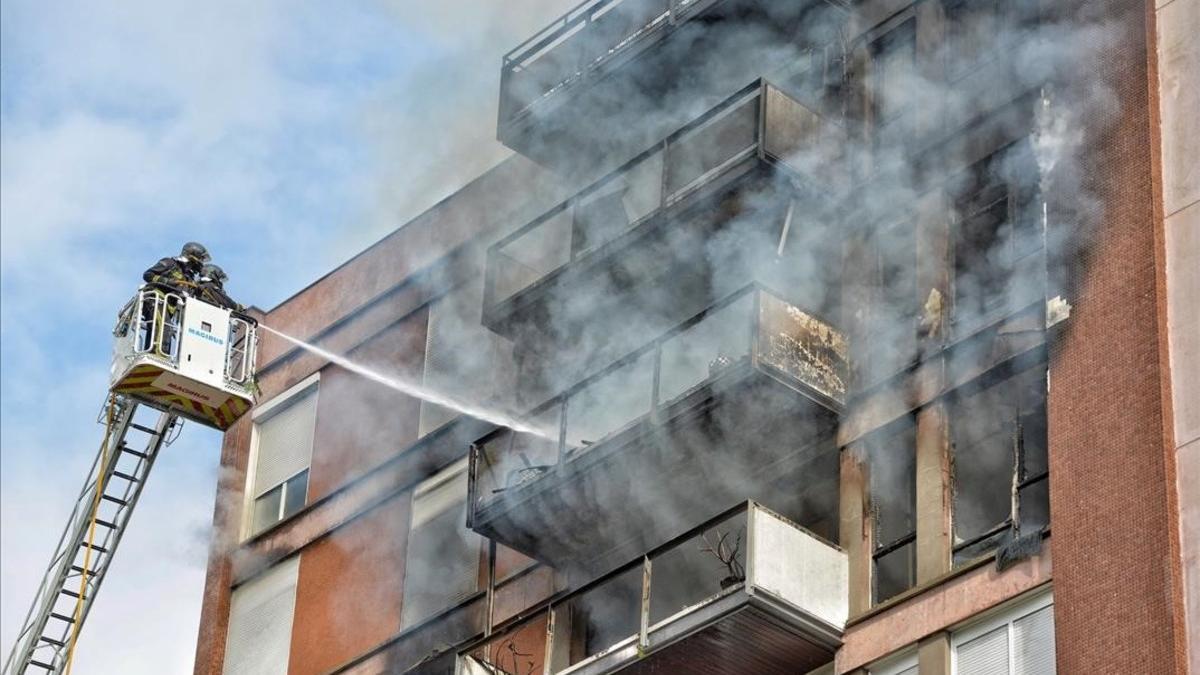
1112,566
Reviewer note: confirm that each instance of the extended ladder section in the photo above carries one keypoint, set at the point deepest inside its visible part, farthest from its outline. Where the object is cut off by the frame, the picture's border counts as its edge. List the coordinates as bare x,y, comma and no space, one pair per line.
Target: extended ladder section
90,540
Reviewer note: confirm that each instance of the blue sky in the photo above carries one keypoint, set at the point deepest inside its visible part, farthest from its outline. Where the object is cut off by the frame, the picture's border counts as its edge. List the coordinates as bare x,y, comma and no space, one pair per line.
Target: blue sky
285,137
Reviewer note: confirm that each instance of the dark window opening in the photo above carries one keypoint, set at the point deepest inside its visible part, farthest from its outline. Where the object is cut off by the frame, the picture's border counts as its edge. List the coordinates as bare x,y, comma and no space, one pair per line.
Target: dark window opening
998,242
893,497
1000,463
895,302
973,32
893,80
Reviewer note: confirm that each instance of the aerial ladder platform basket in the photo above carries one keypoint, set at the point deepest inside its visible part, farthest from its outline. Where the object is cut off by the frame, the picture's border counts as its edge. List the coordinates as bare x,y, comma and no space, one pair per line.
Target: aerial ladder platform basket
175,357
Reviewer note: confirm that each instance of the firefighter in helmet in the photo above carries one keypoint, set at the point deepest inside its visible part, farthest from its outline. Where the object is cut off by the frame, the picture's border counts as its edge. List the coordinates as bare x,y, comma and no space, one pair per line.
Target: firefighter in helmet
211,288
160,313
180,272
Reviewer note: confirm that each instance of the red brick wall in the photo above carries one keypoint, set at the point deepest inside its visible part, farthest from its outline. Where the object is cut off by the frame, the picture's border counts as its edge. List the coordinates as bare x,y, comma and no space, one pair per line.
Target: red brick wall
348,593
1112,563
214,615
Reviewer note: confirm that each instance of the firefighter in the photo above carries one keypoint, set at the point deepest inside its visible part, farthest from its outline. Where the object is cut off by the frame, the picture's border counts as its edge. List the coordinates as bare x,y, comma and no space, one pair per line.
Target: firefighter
160,315
211,288
181,272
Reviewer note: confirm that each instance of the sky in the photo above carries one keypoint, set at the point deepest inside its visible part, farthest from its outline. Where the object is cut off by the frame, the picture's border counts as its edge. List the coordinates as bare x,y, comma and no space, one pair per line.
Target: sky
285,137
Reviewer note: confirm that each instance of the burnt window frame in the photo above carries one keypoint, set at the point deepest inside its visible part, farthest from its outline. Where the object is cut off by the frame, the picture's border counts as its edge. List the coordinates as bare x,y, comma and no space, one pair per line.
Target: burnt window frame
888,439
1021,224
1021,480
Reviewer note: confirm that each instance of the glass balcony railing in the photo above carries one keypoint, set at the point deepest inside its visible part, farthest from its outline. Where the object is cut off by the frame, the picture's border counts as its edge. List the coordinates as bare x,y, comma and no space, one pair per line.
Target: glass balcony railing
752,329
747,583
716,144
585,39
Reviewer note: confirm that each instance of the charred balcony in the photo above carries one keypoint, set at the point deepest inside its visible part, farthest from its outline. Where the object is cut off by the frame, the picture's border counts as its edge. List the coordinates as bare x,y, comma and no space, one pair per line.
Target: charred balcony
747,163
749,592
610,76
739,401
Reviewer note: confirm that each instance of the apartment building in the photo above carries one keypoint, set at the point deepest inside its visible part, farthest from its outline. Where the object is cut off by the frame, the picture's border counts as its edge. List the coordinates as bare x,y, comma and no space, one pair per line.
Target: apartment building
828,336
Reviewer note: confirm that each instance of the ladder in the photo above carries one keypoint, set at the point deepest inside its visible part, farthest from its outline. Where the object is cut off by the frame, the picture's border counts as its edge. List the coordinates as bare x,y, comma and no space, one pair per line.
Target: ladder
43,644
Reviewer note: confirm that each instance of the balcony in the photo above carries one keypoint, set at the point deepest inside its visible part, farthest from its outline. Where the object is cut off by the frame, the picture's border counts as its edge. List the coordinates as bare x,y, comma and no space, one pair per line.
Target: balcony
640,66
739,401
745,162
747,593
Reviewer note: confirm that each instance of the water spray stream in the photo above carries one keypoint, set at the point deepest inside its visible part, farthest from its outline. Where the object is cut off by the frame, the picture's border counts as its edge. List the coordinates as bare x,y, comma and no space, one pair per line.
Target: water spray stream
418,391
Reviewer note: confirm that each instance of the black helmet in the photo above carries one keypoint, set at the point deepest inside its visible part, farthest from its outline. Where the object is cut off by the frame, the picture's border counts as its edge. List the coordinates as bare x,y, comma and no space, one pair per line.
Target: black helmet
212,272
195,252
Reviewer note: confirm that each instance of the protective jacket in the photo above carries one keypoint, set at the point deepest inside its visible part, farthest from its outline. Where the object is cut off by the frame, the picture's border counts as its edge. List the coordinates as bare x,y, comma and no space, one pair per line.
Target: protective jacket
169,272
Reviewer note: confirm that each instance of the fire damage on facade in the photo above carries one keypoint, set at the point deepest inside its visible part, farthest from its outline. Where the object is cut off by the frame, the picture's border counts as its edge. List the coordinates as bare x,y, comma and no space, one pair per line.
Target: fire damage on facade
824,323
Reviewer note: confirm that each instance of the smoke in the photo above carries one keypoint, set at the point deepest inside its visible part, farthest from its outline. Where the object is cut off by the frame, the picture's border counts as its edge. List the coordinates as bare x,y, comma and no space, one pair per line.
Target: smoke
866,225
416,390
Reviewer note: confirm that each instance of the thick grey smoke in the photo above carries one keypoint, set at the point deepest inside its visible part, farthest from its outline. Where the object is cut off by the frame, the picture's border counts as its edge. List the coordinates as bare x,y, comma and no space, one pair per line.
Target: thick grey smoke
836,235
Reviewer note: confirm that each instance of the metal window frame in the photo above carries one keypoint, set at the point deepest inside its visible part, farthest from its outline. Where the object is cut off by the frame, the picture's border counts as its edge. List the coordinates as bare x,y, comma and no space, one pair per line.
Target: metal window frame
1018,481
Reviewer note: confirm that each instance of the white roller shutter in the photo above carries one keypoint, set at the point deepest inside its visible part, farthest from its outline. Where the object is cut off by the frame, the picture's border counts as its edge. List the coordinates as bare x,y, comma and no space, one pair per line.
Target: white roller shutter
985,655
1018,640
260,622
285,441
442,560
1033,643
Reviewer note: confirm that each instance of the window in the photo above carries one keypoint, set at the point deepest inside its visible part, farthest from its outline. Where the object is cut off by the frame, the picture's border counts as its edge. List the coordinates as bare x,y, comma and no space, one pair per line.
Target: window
997,261
442,567
972,31
1001,486
1018,641
893,79
904,664
260,622
283,433
893,481
895,302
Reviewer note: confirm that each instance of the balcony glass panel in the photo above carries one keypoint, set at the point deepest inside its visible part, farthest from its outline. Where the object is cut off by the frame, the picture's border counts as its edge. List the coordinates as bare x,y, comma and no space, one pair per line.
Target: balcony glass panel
708,147
698,586
585,38
703,350
753,325
539,251
698,154
518,652
802,346
508,460
610,403
698,568
597,619
799,137
612,208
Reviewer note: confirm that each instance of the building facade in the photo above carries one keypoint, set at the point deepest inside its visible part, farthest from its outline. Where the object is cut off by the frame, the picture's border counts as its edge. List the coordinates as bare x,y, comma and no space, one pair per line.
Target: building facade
819,337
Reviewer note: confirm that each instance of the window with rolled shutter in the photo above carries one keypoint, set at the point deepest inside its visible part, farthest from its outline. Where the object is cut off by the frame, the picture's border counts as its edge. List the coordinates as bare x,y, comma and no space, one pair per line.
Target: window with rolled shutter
443,558
284,442
903,664
1018,641
985,655
1033,643
463,359
260,622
